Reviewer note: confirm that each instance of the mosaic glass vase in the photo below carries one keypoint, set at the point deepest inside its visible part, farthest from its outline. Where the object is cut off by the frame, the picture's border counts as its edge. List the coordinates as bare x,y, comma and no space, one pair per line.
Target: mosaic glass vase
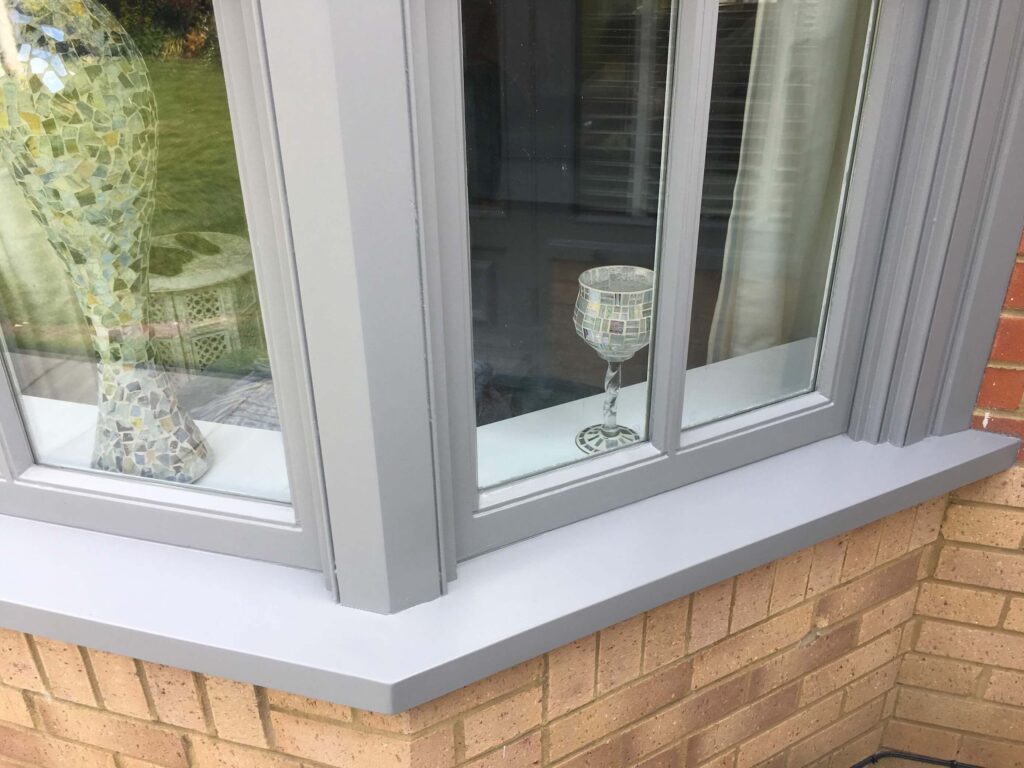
78,131
614,314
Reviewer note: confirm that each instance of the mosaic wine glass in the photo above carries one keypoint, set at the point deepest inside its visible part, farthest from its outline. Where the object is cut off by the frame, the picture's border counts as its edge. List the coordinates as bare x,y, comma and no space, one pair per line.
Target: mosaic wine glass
614,315
78,132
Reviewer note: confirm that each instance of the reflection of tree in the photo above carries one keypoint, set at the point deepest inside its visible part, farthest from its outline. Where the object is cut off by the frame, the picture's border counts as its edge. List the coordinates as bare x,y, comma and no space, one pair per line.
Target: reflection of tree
168,28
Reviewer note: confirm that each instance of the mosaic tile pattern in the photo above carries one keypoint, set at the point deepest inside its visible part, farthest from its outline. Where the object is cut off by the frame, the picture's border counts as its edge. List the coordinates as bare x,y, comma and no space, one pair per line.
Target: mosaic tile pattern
78,132
615,310
614,314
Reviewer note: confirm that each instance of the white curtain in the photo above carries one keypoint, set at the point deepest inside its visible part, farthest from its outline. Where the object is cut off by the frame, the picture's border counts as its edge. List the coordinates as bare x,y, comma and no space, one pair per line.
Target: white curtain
804,72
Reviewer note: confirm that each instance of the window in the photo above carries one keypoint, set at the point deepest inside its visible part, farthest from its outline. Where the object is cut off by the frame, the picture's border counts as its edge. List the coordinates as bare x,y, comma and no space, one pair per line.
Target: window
429,279
149,337
712,152
125,241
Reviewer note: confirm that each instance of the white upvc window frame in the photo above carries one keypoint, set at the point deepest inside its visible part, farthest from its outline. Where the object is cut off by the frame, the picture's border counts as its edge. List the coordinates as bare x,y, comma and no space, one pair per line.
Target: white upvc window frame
348,122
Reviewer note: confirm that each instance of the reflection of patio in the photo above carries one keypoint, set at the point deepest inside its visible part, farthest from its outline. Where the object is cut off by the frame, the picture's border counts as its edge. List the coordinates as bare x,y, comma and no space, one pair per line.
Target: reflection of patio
247,401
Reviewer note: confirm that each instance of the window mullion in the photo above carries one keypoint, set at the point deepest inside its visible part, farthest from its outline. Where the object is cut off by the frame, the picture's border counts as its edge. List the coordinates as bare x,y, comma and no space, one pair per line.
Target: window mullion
683,183
435,50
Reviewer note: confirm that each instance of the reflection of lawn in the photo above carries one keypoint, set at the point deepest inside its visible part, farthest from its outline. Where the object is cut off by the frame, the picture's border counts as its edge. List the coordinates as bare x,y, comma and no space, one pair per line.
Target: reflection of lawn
197,182
197,174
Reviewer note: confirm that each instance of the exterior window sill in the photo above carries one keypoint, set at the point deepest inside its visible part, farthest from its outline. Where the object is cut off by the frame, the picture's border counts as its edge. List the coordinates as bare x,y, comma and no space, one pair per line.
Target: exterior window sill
276,626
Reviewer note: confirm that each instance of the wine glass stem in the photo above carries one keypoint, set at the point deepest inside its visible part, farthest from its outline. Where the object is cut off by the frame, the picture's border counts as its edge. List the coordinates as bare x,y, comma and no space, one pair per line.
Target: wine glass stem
612,383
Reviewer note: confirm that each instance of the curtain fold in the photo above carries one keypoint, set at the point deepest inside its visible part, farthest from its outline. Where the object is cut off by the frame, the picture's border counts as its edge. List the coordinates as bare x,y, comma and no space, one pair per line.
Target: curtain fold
796,134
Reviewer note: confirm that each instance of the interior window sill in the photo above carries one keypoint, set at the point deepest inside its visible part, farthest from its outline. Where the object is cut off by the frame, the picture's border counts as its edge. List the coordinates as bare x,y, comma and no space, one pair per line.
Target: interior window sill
516,447
276,626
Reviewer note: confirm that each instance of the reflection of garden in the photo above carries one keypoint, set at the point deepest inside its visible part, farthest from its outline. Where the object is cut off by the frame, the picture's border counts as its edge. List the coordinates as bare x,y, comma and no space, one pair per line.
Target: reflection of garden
198,191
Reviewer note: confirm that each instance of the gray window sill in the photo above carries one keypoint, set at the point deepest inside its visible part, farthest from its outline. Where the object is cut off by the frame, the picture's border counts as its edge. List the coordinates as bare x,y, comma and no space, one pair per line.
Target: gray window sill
276,626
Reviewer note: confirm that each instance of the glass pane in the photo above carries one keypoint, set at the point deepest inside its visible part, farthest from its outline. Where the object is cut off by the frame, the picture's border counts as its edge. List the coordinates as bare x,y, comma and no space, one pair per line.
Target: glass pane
565,105
785,91
127,294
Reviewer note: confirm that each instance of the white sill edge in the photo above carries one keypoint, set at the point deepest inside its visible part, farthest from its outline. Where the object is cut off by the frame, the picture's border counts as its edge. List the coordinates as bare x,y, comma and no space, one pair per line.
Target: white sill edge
275,626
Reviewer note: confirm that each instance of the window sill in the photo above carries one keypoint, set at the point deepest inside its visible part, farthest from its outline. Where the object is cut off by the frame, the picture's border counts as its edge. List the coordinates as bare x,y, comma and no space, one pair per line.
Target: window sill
249,462
276,626
523,445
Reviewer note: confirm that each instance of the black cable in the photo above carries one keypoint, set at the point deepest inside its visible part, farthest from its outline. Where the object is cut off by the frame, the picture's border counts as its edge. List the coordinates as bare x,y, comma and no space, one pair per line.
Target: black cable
896,754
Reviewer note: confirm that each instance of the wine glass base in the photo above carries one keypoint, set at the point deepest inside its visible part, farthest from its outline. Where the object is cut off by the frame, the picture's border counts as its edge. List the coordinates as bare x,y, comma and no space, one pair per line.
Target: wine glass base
597,439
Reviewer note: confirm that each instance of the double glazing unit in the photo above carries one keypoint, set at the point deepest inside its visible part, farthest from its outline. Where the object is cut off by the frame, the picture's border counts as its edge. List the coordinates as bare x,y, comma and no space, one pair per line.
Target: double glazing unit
376,287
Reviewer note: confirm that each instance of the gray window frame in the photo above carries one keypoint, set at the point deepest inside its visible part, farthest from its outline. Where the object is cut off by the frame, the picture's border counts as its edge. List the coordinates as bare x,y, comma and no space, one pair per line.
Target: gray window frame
348,123
166,513
891,258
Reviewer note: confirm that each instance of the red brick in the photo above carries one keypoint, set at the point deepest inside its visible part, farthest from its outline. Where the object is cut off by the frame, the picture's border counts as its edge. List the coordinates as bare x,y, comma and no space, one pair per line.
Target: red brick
1008,346
1001,388
1015,291
1002,426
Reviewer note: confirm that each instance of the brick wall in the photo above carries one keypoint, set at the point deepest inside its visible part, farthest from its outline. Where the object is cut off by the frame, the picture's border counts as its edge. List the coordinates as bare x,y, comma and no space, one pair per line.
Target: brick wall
961,688
908,632
792,664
